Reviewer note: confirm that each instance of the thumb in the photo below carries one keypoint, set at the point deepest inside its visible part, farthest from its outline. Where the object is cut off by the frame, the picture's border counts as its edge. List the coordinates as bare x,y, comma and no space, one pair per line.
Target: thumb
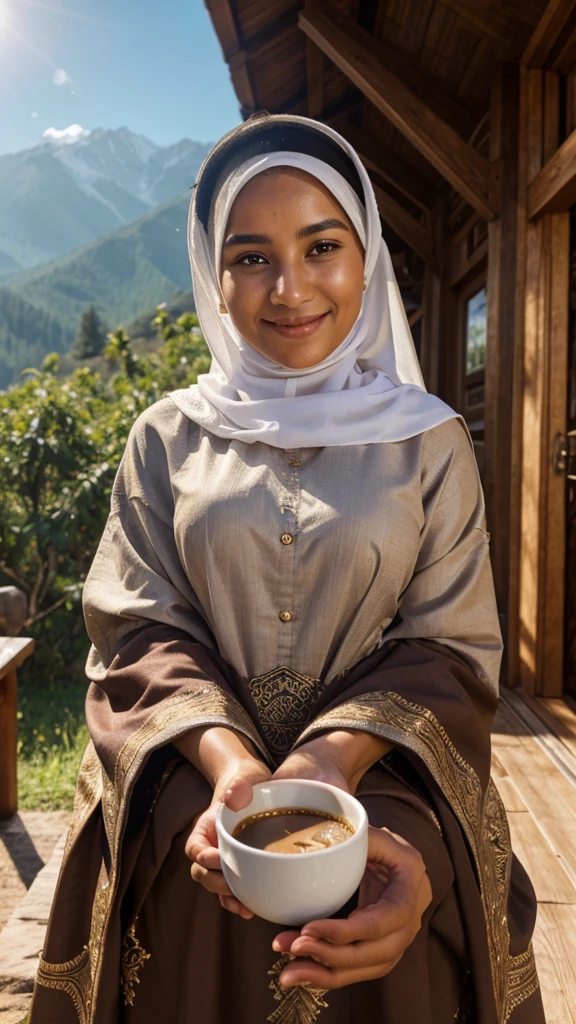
238,794
203,835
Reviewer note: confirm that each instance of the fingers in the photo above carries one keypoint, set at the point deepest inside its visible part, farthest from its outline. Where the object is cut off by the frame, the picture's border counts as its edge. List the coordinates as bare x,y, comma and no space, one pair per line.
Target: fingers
367,925
234,906
360,956
284,940
203,835
315,975
213,881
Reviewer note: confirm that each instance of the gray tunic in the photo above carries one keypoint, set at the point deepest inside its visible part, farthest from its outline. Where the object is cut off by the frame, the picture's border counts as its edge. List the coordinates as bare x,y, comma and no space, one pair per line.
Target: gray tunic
309,559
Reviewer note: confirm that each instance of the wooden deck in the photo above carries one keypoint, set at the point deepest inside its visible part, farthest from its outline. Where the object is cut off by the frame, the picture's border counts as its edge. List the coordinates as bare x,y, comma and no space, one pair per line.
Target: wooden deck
534,768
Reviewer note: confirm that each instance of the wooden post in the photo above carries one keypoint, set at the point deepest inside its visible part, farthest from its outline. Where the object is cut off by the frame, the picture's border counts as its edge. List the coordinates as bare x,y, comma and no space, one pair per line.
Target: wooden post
503,363
12,653
542,533
437,302
8,745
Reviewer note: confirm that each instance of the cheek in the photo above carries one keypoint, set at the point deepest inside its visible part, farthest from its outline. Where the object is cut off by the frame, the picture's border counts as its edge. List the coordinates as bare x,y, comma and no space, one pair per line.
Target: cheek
343,283
242,297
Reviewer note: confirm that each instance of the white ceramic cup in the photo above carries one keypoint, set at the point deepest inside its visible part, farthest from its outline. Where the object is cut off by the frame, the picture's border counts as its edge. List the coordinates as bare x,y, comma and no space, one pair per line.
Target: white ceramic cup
292,889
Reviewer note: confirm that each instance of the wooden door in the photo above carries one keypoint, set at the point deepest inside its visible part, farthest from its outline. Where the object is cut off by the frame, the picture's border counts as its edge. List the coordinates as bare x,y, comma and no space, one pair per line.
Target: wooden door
567,458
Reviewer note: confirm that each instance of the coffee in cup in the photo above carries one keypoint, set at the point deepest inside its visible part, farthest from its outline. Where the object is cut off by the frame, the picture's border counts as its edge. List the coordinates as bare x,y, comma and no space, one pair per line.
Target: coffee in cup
293,830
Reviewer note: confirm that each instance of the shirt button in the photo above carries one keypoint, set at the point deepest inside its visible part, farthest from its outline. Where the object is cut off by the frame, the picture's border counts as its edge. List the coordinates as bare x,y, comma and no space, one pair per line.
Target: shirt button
286,538
295,462
285,616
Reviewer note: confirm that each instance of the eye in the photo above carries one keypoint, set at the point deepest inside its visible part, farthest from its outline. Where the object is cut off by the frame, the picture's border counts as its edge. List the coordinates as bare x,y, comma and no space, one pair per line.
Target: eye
322,248
250,259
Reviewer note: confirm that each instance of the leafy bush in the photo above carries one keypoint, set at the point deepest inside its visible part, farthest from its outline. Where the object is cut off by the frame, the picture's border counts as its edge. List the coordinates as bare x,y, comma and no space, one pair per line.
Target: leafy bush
61,440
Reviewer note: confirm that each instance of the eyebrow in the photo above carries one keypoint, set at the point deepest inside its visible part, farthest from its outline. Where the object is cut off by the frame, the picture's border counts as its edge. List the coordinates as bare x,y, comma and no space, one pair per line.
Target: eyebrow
247,240
311,229
322,225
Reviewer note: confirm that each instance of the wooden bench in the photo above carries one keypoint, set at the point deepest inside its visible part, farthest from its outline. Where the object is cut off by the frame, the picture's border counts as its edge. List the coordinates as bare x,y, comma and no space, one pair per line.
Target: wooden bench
13,651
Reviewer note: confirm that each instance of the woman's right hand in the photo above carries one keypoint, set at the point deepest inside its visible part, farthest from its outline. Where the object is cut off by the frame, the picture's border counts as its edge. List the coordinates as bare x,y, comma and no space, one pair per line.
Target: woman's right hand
234,769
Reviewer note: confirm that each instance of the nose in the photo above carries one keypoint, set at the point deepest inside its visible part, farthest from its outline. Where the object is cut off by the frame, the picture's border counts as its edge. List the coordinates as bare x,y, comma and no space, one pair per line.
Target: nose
292,286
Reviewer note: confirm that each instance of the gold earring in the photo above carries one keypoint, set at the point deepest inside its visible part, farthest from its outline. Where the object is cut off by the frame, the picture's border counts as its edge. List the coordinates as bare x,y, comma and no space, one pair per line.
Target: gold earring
223,308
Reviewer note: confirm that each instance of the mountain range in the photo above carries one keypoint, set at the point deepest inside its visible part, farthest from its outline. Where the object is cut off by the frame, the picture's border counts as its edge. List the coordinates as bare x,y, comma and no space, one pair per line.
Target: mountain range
89,217
77,185
123,274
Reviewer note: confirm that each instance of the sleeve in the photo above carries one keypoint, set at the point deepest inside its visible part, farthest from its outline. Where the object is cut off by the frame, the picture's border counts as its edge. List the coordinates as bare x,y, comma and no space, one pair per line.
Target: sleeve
450,598
137,577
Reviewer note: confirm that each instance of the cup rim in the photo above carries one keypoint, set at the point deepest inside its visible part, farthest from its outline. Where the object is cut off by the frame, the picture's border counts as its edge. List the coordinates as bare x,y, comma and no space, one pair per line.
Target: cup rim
363,826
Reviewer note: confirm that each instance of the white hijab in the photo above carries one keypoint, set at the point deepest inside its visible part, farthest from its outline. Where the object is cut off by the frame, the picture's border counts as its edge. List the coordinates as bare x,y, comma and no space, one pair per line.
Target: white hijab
370,389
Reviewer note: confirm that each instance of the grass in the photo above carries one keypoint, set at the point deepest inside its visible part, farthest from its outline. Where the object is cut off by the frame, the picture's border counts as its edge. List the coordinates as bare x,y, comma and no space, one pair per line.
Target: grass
52,737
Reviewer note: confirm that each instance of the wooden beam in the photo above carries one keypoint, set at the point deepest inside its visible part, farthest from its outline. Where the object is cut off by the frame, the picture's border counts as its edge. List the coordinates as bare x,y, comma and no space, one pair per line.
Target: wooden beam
416,316
564,59
314,79
551,126
547,32
379,157
554,188
461,119
438,302
467,171
404,224
494,26
225,24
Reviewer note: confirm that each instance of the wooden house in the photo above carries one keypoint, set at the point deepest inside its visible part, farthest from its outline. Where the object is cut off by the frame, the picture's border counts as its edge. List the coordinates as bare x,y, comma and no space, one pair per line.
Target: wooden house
464,113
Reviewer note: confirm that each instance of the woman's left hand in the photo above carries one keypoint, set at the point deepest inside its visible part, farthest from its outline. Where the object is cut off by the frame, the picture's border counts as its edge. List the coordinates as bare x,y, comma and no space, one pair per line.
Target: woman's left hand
313,761
340,757
368,944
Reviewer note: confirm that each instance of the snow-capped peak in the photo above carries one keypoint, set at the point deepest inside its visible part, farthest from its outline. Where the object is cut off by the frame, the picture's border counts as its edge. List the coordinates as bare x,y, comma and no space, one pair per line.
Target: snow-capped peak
73,133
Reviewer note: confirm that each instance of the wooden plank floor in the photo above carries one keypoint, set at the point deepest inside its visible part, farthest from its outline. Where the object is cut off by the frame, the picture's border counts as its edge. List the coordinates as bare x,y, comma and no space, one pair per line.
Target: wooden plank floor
534,768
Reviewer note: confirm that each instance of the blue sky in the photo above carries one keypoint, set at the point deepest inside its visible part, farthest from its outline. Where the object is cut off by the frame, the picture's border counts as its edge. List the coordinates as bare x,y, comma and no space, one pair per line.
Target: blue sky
154,66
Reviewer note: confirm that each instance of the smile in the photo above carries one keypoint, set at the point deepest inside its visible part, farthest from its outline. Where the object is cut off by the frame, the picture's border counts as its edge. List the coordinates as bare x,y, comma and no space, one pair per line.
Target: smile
298,326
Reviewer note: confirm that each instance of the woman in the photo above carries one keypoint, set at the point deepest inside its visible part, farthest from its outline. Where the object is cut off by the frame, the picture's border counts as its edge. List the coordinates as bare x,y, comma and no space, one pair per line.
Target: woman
294,581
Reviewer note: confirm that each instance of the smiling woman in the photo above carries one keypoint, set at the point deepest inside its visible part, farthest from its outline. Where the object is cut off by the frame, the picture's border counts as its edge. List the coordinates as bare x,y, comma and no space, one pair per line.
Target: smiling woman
294,582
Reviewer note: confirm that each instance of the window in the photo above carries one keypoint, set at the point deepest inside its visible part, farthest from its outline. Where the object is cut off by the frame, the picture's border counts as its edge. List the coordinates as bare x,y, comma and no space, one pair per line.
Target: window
476,332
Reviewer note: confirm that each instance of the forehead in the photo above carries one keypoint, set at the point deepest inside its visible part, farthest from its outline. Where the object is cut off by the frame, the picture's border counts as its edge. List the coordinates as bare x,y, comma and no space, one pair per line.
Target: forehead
287,190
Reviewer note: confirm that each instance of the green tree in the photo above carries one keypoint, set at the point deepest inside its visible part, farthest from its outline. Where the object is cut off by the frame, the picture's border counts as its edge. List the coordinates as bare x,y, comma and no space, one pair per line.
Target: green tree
91,337
61,441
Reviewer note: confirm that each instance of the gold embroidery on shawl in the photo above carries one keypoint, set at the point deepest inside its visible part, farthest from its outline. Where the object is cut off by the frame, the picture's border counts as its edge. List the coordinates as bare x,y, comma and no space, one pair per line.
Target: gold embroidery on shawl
174,715
74,976
523,979
284,700
71,977
298,1005
163,780
483,821
134,956
86,797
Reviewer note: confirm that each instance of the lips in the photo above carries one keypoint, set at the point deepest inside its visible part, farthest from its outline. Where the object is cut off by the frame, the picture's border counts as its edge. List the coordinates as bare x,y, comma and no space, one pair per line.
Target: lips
298,326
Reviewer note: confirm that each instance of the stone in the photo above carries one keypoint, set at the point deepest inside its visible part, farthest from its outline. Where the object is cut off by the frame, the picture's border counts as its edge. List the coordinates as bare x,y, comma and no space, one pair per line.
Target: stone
13,610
